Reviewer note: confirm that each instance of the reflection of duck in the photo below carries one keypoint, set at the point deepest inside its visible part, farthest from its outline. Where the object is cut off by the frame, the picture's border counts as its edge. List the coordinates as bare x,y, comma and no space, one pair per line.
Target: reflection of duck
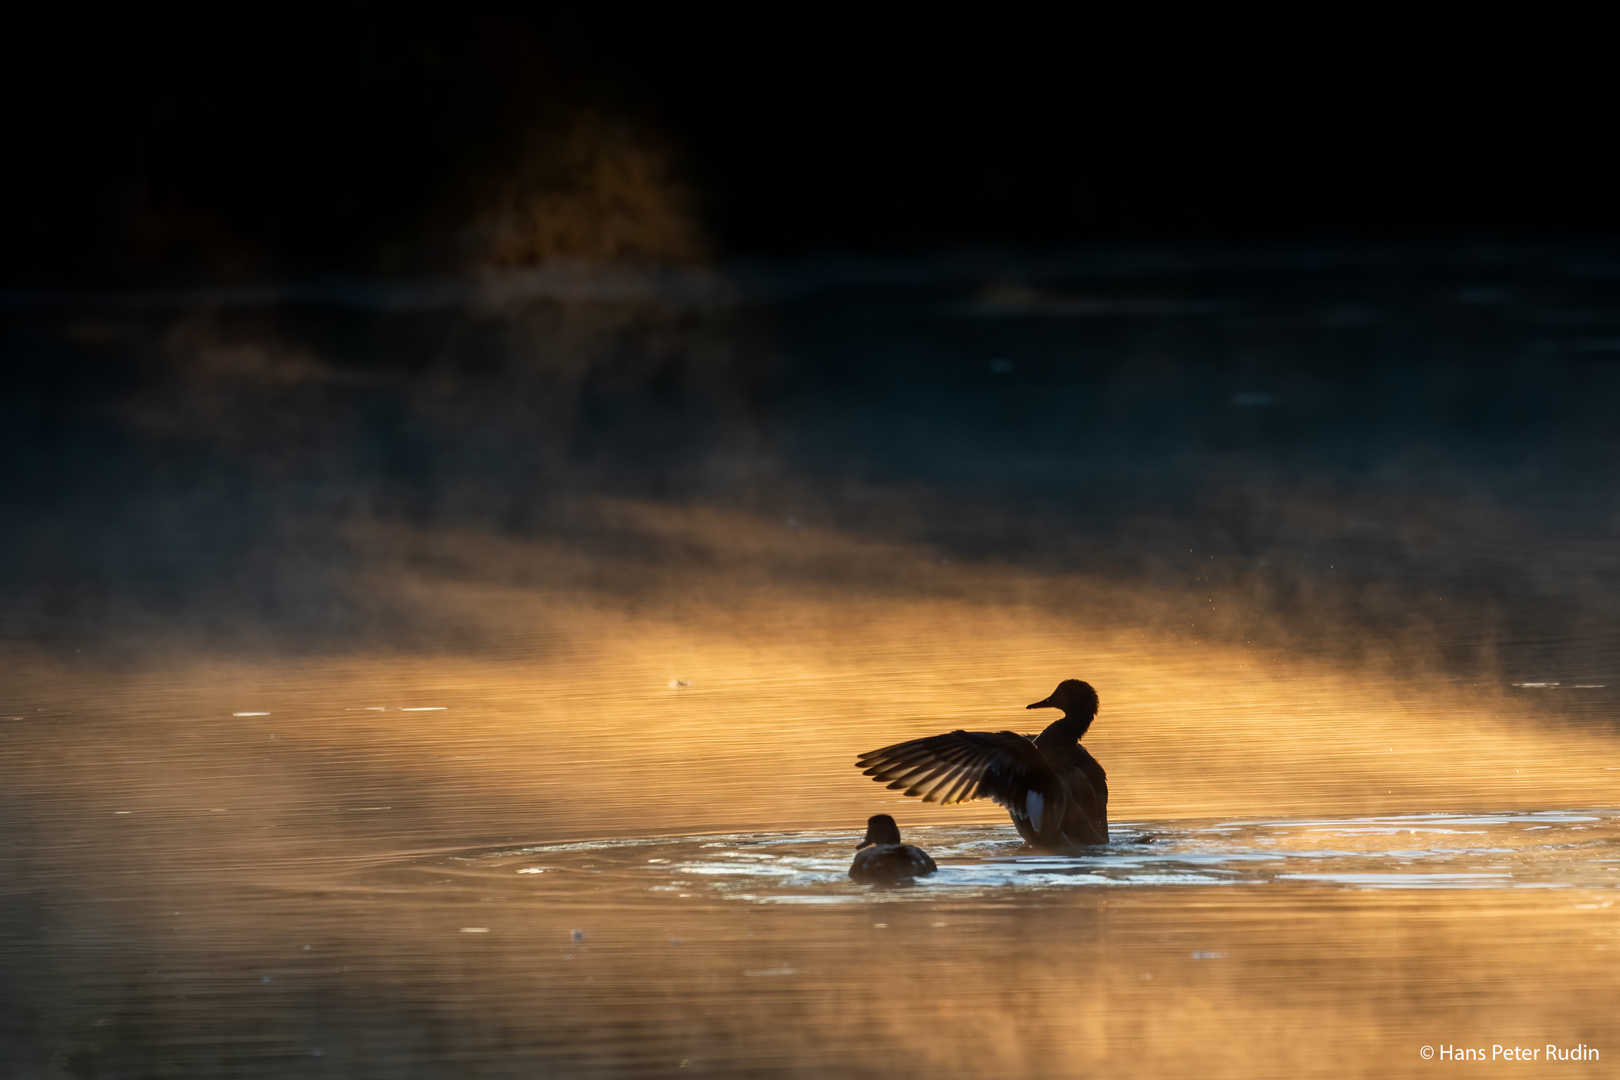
882,857
1055,791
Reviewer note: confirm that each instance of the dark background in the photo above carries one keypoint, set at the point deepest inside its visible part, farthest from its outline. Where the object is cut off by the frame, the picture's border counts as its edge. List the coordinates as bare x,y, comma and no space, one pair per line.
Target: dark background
238,140
1316,317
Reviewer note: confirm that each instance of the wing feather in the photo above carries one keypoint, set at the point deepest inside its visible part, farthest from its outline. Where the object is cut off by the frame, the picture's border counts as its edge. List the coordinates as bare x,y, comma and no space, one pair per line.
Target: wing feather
965,788
960,766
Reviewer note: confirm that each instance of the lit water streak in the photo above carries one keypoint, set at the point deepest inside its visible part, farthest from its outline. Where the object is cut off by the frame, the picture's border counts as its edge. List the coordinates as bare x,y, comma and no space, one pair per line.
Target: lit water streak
1498,851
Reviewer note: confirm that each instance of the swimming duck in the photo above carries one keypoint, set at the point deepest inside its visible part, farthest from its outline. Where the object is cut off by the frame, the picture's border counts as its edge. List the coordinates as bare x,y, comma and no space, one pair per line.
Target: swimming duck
1056,792
884,857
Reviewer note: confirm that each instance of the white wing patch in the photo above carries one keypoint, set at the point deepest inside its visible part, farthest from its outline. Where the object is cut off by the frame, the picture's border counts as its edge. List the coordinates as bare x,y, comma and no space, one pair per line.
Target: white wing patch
1034,804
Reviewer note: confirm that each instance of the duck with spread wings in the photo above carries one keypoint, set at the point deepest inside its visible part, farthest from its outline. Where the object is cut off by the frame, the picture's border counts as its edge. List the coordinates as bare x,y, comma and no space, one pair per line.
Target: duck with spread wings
1056,792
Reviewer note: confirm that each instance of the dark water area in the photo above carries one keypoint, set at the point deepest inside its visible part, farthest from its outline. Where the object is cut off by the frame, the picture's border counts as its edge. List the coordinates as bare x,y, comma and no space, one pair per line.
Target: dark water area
463,676
1405,442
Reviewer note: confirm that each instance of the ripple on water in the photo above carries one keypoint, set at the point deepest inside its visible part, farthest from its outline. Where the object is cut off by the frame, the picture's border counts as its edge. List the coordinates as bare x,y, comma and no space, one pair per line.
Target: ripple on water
1531,850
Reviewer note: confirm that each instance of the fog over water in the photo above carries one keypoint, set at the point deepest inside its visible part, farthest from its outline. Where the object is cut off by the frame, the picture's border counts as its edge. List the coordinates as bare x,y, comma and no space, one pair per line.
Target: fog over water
398,672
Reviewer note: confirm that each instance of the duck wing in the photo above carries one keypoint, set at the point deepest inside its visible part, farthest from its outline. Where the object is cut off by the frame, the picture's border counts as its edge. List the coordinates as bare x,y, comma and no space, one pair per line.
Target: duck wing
962,765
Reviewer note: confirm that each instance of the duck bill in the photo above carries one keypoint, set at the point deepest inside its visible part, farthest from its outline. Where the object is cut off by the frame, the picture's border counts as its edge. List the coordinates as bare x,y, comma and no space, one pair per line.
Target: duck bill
868,842
1044,703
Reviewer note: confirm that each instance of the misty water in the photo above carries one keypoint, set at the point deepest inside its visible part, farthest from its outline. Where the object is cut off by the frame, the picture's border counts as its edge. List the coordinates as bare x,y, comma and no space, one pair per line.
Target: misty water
464,678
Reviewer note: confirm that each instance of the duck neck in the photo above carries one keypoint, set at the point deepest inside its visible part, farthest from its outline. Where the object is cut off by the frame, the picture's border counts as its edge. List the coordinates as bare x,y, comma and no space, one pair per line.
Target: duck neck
1066,731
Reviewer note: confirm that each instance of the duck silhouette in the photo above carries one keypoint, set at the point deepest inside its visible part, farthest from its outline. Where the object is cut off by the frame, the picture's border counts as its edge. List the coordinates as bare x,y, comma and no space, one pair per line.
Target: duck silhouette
1056,792
882,857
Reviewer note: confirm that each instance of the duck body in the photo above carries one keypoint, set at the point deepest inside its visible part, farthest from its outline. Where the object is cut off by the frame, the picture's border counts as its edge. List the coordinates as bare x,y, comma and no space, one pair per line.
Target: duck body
1053,789
881,858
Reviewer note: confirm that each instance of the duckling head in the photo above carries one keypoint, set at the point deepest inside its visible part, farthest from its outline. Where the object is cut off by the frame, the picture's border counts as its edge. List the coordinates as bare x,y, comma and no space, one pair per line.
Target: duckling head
880,829
1074,697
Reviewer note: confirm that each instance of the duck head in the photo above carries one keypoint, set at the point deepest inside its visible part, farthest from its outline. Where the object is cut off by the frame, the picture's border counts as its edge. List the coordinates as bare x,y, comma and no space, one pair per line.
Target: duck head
1074,697
880,829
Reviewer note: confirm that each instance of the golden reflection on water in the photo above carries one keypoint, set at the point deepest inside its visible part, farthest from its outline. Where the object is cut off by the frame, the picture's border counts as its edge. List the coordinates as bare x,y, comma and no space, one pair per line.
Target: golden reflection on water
762,730
182,829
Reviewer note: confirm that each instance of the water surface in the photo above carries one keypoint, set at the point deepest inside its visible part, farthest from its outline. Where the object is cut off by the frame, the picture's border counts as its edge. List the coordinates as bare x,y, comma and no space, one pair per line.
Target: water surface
465,679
